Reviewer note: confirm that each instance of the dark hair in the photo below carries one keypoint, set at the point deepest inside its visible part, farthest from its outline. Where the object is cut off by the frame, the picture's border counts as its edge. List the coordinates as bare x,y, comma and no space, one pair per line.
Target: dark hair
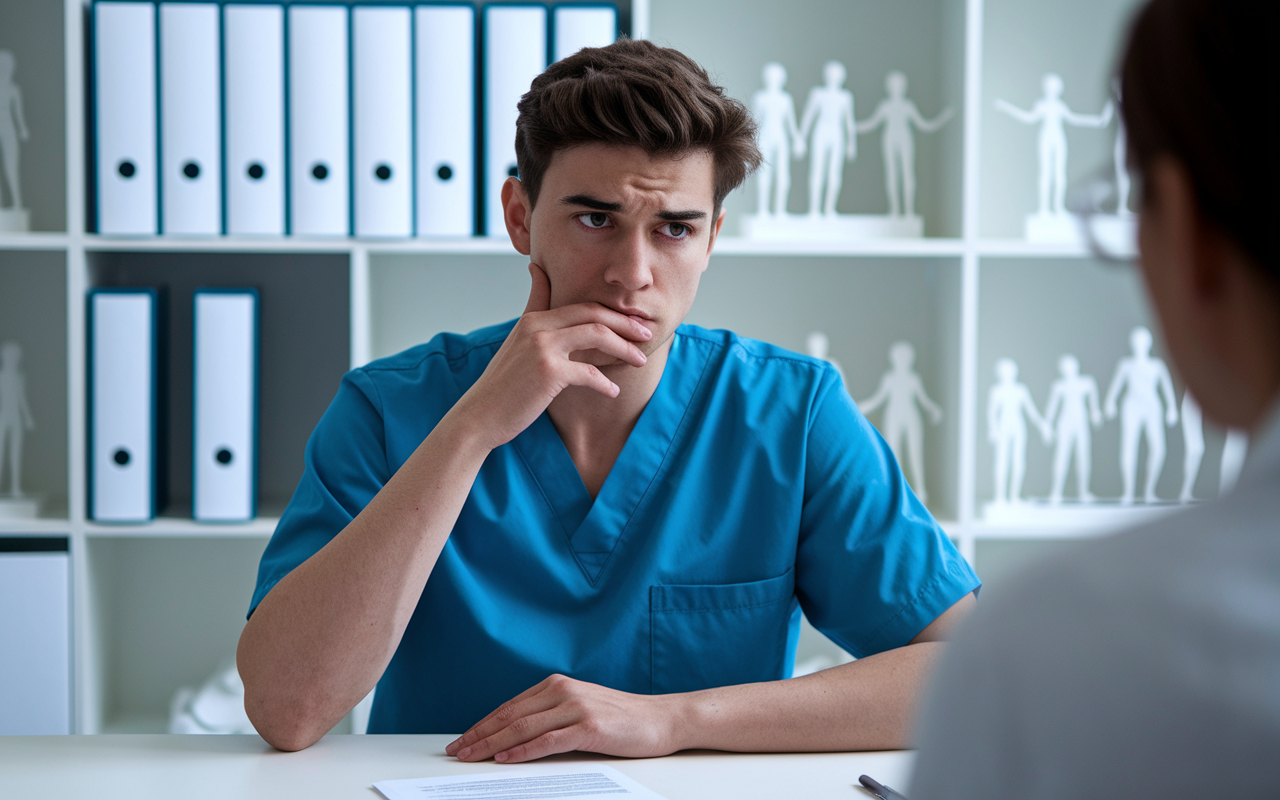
638,94
1195,82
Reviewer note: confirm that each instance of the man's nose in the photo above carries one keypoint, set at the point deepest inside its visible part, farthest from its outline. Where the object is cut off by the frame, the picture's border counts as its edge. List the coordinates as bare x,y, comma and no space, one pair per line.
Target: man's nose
630,262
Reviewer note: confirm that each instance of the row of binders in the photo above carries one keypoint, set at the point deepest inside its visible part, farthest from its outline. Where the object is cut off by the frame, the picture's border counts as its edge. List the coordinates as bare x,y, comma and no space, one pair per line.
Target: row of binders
316,120
126,393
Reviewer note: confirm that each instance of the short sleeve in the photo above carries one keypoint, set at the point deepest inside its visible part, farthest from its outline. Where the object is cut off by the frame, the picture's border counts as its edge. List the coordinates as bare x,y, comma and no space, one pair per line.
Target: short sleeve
873,567
345,467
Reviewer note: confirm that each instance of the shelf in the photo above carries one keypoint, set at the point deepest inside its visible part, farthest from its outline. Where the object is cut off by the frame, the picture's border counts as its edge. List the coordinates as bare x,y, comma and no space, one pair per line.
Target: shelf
34,241
40,526
174,527
893,248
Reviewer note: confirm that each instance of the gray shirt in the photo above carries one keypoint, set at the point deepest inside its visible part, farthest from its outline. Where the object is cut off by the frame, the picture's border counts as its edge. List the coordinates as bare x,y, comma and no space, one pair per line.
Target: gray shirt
1146,664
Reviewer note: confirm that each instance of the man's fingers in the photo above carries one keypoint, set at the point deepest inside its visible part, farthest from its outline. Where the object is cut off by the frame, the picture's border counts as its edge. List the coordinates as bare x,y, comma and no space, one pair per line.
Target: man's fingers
539,291
598,336
518,706
516,733
562,740
592,378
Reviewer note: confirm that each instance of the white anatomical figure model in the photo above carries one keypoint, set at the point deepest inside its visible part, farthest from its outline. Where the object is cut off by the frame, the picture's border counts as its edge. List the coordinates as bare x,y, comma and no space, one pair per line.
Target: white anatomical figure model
1007,429
15,414
828,114
1053,115
1145,378
13,126
1193,446
897,114
779,139
900,390
1073,403
1234,451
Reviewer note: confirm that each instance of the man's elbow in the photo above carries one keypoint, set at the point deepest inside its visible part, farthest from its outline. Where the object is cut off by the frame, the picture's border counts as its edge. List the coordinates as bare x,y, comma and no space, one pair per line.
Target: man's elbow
282,724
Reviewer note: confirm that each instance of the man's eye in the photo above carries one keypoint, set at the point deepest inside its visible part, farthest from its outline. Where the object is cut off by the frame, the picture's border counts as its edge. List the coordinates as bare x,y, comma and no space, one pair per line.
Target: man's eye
596,219
676,230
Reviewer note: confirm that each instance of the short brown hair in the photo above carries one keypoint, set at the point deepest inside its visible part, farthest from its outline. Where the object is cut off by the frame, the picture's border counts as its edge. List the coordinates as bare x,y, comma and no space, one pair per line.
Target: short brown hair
634,93
1194,80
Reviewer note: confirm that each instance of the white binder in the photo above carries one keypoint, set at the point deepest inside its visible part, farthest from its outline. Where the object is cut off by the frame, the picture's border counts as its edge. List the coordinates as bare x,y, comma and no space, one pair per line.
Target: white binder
35,634
190,119
253,63
123,388
124,86
445,108
576,27
515,52
382,69
224,447
318,121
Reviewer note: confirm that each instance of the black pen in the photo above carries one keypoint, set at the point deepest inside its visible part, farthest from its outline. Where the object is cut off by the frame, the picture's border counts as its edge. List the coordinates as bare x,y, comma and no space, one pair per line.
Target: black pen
879,789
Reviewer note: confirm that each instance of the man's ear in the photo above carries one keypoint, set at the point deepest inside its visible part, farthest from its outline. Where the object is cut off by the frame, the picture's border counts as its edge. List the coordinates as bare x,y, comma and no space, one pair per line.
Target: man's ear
517,212
711,240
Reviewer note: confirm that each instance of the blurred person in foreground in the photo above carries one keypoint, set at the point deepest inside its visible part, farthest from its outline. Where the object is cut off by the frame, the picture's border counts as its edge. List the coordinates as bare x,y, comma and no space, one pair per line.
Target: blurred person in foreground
1148,664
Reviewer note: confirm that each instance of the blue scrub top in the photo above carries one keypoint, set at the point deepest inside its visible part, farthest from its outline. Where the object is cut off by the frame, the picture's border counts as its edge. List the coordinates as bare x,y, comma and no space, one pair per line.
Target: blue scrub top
750,488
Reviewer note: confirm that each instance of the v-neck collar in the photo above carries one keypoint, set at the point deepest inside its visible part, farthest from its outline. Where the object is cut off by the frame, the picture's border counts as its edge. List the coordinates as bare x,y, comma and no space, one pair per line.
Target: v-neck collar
594,529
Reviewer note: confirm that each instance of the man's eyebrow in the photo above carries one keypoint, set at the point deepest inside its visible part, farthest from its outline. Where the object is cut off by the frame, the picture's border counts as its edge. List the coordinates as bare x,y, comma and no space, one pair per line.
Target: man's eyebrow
590,202
681,216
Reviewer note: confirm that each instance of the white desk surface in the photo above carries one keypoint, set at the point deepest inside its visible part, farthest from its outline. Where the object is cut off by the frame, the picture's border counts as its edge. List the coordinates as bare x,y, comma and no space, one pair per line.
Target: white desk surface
141,767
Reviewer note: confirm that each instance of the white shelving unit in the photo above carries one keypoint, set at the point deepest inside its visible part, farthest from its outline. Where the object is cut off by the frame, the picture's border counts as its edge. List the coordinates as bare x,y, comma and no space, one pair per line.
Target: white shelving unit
157,606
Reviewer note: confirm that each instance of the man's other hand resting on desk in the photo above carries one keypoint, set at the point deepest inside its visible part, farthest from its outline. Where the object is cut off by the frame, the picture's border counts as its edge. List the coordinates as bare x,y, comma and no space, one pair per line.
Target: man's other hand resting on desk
639,508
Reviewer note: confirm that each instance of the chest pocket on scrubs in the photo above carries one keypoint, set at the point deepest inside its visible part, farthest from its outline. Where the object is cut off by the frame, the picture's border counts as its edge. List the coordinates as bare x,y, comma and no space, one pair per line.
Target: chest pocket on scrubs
706,636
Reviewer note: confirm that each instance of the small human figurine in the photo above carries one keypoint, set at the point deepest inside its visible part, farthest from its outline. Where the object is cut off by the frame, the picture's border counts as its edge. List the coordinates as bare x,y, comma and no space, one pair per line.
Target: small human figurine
1073,402
1053,115
1234,451
1121,157
897,114
1008,401
828,113
15,414
13,126
779,139
1193,446
901,388
1146,378
819,346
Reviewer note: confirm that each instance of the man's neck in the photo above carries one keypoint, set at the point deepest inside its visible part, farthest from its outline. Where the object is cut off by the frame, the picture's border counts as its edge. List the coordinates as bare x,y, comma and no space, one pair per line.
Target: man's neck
594,428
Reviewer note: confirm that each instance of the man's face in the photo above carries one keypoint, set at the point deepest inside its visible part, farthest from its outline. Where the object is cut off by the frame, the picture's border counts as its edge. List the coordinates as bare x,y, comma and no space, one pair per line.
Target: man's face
616,226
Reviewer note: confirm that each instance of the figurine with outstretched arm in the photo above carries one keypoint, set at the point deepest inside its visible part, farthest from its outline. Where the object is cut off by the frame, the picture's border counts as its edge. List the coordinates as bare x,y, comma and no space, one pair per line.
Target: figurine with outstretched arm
897,114
1053,115
900,390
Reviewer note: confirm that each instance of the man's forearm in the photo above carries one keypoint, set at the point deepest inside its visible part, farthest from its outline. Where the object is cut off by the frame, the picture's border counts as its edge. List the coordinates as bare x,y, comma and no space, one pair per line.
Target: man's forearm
866,705
321,638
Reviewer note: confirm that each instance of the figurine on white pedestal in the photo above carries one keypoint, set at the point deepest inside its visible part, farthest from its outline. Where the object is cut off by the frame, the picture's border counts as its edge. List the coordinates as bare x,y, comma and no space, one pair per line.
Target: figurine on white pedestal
1193,446
900,390
13,128
1050,222
1234,451
897,114
15,421
1007,404
1146,378
828,114
1073,403
819,346
779,139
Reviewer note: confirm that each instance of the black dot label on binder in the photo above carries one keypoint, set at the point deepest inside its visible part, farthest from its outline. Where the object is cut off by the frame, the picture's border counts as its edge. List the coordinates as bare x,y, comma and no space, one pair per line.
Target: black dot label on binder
120,456
127,169
513,171
445,172
256,171
223,456
319,172
191,169
383,172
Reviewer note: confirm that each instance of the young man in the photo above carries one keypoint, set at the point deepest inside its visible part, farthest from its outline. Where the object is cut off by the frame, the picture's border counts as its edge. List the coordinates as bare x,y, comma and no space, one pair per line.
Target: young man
622,512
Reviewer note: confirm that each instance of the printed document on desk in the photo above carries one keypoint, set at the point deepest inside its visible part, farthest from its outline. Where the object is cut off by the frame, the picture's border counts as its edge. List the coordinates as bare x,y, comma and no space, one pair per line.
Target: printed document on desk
584,781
